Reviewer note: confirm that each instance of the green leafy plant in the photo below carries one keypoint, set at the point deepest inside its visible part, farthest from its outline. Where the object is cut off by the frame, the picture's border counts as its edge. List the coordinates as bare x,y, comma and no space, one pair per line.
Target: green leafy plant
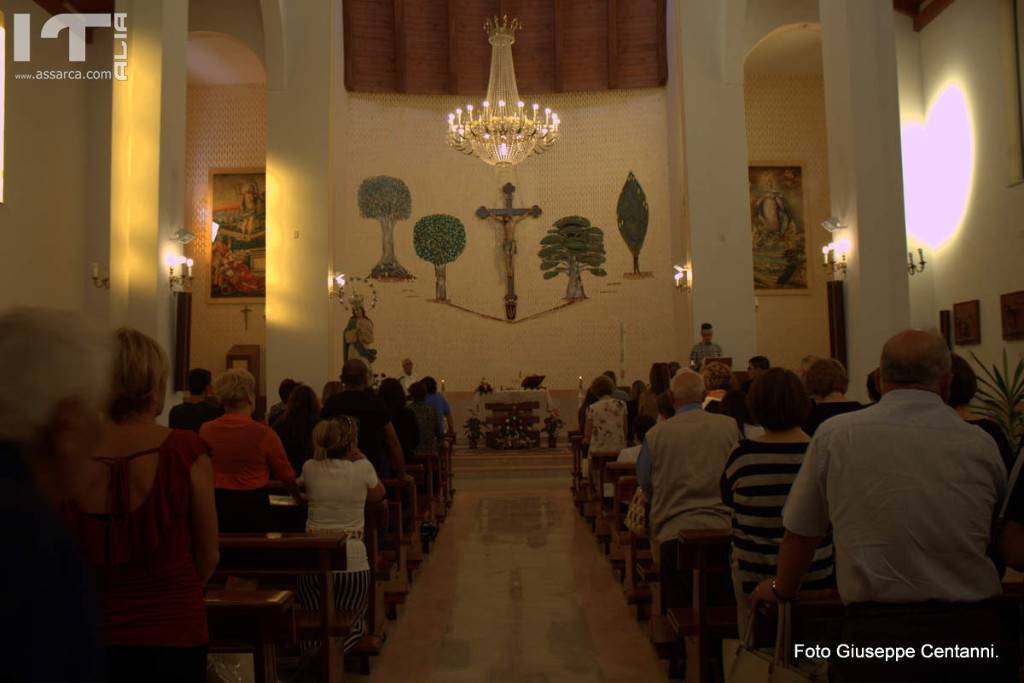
633,215
573,246
387,200
1000,397
553,423
474,427
439,239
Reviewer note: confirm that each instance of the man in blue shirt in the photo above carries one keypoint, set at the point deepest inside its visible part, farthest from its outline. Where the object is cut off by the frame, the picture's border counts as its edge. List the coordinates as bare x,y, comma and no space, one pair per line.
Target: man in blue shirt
440,404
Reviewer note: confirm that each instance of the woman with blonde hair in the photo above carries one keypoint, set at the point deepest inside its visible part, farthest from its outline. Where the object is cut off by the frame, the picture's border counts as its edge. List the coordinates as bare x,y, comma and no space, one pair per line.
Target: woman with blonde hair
245,453
145,517
339,480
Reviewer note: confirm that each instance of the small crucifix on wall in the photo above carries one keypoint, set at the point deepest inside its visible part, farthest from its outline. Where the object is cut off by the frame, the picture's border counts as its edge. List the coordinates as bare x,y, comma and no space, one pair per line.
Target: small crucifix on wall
245,315
509,218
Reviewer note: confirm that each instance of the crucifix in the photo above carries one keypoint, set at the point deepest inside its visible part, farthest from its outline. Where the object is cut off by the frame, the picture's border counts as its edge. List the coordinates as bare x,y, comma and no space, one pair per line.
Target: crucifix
509,218
245,314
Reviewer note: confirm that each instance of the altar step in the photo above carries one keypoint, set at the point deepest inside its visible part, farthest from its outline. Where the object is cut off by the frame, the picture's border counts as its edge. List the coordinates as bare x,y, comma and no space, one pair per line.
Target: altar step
537,462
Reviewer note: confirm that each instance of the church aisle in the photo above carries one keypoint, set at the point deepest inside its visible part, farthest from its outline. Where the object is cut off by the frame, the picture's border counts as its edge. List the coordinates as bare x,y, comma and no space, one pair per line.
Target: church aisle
515,591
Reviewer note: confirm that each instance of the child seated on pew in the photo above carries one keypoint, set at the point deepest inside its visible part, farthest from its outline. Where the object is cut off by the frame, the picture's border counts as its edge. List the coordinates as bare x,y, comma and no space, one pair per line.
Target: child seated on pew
339,480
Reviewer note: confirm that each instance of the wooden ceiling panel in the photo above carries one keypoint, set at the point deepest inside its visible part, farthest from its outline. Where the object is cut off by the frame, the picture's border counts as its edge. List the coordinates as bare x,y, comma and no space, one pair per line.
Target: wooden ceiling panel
534,46
424,30
469,46
370,46
439,46
636,58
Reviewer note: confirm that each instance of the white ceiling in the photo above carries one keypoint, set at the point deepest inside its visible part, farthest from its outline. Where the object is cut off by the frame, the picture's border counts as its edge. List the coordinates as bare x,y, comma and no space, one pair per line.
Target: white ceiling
790,51
218,59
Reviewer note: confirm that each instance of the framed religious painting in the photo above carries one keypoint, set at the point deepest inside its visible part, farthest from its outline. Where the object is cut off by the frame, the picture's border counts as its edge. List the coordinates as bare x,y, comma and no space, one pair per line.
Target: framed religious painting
1012,308
778,231
967,323
238,235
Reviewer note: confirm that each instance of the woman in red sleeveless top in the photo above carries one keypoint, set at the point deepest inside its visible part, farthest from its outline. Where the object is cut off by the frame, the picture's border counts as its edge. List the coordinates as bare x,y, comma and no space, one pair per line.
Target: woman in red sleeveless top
145,516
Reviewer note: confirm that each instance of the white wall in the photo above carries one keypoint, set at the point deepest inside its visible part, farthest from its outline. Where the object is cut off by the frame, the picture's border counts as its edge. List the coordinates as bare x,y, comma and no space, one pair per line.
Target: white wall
55,214
968,45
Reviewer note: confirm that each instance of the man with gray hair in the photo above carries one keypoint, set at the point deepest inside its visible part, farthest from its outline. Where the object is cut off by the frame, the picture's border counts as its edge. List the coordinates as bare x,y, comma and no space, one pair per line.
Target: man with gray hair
910,491
55,370
679,468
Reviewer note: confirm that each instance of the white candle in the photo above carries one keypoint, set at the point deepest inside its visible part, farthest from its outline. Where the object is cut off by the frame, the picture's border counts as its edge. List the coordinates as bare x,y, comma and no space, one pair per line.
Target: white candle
95,270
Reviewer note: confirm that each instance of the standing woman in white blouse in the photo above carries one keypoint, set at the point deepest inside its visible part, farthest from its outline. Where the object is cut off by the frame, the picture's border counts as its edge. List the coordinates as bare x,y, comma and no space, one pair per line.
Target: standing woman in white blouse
339,481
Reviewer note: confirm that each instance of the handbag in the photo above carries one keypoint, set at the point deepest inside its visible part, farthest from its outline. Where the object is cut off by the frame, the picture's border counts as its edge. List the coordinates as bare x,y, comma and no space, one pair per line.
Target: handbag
636,516
745,664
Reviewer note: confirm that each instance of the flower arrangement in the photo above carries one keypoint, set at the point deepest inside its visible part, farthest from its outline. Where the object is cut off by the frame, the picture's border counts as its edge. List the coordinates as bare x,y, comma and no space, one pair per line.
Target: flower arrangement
484,388
474,427
512,433
553,423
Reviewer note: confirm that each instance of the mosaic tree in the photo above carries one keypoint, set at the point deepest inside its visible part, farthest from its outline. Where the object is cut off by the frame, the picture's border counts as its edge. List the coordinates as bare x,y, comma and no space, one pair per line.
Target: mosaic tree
573,246
439,239
633,215
387,200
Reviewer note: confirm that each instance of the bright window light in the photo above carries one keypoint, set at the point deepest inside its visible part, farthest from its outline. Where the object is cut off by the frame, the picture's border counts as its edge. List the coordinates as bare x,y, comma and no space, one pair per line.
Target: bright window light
3,100
938,167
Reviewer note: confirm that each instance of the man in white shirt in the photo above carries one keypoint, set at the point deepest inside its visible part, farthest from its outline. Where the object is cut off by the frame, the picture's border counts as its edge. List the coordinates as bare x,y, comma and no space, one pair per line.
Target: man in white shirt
911,492
408,378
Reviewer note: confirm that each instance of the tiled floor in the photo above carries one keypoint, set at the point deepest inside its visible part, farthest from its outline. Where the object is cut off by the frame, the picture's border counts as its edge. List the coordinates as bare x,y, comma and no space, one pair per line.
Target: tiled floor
515,591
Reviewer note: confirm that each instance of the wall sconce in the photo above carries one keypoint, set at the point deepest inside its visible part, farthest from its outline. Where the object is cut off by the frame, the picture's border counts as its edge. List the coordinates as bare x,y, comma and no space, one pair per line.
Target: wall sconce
834,256
682,278
832,224
180,281
100,282
182,237
915,268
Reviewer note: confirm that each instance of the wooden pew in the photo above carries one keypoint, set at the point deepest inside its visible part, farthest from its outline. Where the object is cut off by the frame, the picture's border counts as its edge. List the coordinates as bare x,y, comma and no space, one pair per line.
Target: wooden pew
578,453
622,477
250,621
595,494
705,553
397,541
279,558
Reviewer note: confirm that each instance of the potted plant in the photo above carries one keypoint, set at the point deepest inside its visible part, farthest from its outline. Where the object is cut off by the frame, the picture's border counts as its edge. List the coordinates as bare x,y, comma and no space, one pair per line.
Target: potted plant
1000,397
474,429
553,423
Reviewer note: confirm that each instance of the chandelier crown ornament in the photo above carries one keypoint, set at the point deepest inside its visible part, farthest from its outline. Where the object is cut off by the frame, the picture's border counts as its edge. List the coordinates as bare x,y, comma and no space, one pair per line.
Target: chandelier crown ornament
503,131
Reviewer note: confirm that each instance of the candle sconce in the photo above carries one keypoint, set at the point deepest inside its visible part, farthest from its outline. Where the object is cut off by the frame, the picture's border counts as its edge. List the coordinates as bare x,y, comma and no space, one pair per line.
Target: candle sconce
834,255
179,273
915,268
682,278
100,281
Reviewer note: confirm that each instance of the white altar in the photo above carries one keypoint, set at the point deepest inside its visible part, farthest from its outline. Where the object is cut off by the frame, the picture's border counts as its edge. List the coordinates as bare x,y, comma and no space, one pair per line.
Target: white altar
514,397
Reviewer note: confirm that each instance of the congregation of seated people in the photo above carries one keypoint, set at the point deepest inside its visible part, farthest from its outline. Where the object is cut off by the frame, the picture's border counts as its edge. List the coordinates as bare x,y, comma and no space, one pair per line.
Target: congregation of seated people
118,521
904,512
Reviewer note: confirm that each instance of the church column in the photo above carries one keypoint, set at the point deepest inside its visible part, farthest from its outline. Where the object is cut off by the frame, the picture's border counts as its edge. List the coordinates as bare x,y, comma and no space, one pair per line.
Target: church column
147,188
299,189
715,188
865,176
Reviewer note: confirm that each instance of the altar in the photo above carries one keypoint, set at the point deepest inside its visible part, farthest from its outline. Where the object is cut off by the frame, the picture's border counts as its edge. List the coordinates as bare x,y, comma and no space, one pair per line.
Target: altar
513,416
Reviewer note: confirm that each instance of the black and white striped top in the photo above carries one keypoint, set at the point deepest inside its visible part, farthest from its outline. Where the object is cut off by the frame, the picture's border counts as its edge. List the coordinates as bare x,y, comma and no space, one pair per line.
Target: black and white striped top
755,484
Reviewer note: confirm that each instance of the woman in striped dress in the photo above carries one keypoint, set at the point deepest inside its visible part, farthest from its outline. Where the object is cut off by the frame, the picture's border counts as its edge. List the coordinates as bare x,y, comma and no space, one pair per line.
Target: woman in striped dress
756,481
339,480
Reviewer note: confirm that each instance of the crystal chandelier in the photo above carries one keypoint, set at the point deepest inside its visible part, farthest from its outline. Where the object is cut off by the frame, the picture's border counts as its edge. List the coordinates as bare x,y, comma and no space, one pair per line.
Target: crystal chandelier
504,132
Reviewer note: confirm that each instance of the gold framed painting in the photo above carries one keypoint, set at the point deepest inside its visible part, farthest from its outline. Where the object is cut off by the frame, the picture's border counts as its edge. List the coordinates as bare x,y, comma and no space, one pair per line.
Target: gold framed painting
777,228
238,235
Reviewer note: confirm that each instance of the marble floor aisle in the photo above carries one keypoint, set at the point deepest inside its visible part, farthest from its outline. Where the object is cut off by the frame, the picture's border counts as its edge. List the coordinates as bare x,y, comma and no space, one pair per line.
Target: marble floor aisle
515,591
